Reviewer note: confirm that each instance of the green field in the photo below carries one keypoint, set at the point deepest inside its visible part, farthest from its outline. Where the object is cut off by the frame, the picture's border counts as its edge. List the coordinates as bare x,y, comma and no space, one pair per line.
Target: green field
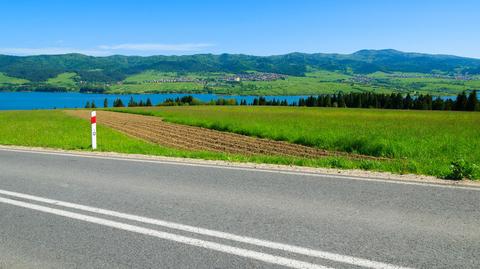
55,129
423,142
183,87
4,79
315,82
66,80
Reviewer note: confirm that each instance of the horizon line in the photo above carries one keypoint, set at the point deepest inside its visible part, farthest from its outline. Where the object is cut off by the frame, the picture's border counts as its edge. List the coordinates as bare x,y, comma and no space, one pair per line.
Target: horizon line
86,53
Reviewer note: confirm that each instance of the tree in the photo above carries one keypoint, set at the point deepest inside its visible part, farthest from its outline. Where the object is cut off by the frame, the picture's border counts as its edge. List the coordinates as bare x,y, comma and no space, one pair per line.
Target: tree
428,102
341,100
87,105
149,102
311,101
105,102
357,101
93,104
438,104
262,101
461,102
472,101
408,102
118,103
231,102
328,101
398,103
132,102
449,104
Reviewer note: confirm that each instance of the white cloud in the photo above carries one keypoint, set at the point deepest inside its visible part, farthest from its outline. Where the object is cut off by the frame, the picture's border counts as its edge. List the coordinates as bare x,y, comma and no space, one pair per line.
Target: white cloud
153,47
53,51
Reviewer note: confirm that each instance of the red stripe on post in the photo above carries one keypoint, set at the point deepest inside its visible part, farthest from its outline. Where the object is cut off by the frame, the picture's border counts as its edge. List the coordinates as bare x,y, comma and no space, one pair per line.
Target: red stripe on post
93,120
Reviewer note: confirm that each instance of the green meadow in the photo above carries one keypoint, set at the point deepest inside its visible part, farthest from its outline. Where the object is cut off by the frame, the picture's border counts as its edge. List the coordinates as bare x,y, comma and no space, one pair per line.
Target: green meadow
55,129
313,83
4,79
66,80
181,87
422,142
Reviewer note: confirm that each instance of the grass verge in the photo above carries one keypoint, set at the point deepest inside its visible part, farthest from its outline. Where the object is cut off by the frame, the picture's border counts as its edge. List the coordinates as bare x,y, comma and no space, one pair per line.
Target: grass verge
55,129
419,142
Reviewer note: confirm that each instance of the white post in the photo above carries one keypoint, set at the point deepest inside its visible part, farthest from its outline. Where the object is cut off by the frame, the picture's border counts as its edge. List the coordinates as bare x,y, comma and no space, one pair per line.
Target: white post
93,120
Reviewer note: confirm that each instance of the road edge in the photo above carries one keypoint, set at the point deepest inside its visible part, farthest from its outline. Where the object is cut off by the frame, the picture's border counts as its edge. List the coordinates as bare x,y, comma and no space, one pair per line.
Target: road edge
355,174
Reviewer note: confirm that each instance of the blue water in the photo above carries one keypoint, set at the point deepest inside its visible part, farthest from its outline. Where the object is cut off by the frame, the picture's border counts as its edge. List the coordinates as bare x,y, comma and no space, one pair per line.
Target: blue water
48,100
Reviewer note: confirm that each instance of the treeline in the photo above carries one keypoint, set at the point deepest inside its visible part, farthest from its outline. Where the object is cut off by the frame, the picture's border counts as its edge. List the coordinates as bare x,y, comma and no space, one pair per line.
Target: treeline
463,102
33,87
392,101
190,100
92,89
119,103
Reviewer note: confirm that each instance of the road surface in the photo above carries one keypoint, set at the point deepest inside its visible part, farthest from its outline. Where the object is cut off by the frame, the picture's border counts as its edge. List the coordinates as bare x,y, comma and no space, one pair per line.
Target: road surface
71,211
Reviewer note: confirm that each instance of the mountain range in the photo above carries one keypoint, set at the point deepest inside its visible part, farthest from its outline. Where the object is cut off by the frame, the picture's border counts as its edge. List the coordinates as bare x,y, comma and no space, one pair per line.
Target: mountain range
117,67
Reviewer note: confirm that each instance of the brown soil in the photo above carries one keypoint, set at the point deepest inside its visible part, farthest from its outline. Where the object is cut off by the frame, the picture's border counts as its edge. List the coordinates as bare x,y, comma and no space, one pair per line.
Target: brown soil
153,129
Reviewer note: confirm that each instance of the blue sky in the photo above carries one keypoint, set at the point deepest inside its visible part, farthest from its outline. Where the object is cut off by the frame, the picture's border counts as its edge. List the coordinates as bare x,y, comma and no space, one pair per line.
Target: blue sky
261,27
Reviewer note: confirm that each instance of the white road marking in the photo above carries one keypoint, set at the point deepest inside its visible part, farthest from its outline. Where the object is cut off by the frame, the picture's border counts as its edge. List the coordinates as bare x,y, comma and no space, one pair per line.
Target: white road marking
218,234
312,174
172,237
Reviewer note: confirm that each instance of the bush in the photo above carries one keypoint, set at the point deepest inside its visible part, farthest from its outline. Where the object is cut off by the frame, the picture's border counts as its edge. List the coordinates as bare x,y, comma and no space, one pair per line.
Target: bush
461,169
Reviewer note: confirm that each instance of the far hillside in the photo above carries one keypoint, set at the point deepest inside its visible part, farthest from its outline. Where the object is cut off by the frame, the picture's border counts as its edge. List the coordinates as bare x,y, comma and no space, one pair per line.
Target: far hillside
380,71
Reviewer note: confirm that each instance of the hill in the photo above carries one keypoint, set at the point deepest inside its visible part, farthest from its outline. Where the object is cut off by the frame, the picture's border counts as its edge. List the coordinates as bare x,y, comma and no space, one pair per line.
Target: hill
39,72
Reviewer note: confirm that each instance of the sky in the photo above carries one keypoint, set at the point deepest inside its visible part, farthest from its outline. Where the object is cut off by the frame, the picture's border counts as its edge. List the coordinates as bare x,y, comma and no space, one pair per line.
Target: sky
258,27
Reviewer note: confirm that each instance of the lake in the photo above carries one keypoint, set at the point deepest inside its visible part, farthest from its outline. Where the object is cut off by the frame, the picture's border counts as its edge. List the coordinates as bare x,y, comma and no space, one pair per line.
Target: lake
53,100
48,100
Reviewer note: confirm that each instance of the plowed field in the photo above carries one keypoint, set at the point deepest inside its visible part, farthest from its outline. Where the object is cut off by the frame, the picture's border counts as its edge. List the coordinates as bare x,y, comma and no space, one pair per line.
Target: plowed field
179,136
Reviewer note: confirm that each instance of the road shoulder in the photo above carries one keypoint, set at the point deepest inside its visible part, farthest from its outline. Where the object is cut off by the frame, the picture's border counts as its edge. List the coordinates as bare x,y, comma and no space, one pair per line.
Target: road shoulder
286,169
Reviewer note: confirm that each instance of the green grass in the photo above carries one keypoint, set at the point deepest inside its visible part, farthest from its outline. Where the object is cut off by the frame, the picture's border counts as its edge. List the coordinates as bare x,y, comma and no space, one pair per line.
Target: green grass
4,79
423,85
66,80
55,129
313,83
155,75
148,75
423,142
181,87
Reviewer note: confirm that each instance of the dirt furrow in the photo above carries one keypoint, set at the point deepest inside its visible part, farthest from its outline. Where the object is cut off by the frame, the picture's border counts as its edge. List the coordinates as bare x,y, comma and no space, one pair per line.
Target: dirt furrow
155,130
178,140
154,137
247,143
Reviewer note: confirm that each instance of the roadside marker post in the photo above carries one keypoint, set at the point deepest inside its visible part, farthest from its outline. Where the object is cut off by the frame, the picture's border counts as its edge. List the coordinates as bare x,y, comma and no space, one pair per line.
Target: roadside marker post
93,120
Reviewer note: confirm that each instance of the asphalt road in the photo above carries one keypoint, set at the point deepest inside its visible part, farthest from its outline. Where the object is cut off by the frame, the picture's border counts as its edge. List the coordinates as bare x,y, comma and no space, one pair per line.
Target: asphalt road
67,211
